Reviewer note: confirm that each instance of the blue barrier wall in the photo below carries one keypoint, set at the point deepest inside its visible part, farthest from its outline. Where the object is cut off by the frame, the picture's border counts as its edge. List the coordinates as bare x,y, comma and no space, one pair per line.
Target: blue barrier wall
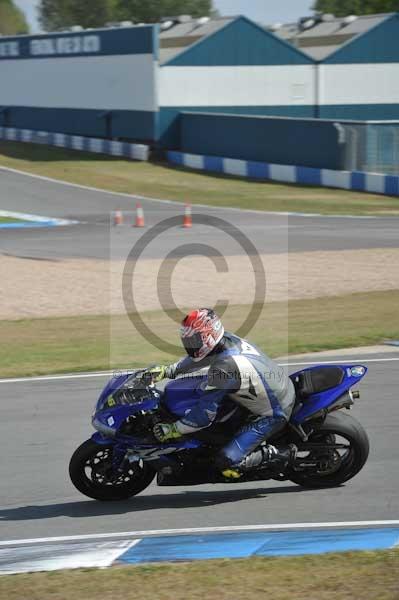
126,124
76,142
347,180
310,143
170,126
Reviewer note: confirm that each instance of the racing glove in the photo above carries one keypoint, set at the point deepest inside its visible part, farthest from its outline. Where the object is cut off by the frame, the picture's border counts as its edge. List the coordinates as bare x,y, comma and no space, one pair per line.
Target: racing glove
166,431
158,372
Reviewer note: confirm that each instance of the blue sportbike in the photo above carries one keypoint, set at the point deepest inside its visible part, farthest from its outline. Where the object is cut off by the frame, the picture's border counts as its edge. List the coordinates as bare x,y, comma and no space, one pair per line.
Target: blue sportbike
123,457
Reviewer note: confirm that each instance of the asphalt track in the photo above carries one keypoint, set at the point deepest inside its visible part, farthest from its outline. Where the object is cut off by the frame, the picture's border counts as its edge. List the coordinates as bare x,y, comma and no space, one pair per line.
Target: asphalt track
92,237
42,422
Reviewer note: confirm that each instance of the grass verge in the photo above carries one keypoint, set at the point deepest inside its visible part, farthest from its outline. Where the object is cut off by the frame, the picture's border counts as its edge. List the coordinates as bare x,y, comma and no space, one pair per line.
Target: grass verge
55,345
166,182
9,220
365,575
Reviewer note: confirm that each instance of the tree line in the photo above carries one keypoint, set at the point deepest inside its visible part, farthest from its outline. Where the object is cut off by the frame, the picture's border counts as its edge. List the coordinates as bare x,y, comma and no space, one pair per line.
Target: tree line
59,14
55,14
342,8
12,20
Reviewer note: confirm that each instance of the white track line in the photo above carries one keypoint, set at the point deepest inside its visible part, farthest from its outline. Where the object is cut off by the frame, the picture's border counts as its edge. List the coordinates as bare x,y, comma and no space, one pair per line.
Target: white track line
346,360
58,377
200,530
35,218
87,187
174,202
339,362
121,551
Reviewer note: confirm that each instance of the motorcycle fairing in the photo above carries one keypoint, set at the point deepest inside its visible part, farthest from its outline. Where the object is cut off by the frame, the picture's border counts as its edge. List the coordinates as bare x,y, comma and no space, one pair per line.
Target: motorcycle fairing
114,417
184,393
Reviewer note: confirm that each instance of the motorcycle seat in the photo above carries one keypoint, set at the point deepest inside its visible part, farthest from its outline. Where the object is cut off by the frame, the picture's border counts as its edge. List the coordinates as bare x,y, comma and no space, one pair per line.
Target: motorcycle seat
316,380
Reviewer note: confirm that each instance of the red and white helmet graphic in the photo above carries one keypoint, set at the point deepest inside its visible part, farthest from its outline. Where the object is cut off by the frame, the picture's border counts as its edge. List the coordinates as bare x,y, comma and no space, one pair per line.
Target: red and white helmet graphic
201,331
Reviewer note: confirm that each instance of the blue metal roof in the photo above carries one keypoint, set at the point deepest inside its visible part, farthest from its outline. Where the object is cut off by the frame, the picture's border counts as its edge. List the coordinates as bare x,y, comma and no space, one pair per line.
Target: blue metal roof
240,42
380,44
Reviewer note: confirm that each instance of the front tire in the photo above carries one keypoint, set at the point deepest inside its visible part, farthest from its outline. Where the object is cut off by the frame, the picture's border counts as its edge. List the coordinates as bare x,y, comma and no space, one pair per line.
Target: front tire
90,470
339,469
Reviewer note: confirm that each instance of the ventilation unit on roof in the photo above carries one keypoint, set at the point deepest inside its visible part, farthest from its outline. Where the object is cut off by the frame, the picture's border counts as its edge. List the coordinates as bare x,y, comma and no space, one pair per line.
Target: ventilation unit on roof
73,28
275,26
348,20
307,23
327,17
119,24
184,18
167,25
203,20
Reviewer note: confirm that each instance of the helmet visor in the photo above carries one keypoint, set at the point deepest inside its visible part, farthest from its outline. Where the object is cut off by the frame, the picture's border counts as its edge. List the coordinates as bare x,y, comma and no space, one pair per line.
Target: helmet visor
193,344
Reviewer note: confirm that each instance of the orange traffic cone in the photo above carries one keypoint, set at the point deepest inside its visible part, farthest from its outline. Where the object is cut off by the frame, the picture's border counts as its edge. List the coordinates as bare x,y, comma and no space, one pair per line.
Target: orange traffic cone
139,222
187,219
118,217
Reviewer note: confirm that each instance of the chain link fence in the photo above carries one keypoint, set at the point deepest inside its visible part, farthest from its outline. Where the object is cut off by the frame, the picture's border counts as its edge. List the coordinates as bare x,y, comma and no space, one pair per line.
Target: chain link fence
371,146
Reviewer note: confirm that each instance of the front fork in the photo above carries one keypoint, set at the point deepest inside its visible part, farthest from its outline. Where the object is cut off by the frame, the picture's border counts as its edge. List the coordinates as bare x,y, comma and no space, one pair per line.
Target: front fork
119,452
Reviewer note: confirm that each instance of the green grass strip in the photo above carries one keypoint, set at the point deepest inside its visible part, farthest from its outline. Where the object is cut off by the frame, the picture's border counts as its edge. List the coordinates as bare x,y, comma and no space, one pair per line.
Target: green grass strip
160,180
56,345
9,220
347,576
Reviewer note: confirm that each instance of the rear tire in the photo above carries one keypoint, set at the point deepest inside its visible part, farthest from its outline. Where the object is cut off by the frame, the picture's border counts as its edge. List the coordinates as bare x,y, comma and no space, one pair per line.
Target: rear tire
351,463
91,474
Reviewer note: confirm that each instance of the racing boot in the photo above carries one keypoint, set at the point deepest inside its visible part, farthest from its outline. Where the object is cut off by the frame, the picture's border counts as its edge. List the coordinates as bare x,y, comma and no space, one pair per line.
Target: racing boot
267,457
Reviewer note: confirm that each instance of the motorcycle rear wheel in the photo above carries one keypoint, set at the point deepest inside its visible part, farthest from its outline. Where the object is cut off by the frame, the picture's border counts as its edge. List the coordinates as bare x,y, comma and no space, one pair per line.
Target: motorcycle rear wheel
90,470
346,465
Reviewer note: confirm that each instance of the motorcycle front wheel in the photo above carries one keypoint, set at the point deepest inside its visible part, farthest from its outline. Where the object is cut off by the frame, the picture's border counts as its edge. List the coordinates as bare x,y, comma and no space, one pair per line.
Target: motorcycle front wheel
91,472
337,450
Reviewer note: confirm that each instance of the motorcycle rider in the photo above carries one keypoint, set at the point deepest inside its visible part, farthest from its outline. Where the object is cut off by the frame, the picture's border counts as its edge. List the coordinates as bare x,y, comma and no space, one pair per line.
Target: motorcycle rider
241,372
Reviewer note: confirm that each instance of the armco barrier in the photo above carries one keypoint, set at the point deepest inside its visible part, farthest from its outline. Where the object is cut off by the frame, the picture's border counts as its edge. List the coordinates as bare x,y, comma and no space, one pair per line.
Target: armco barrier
75,142
348,180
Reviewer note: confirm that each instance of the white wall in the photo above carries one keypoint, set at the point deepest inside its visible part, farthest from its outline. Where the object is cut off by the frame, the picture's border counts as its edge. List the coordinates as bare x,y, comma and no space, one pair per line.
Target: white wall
359,84
119,82
279,85
237,86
